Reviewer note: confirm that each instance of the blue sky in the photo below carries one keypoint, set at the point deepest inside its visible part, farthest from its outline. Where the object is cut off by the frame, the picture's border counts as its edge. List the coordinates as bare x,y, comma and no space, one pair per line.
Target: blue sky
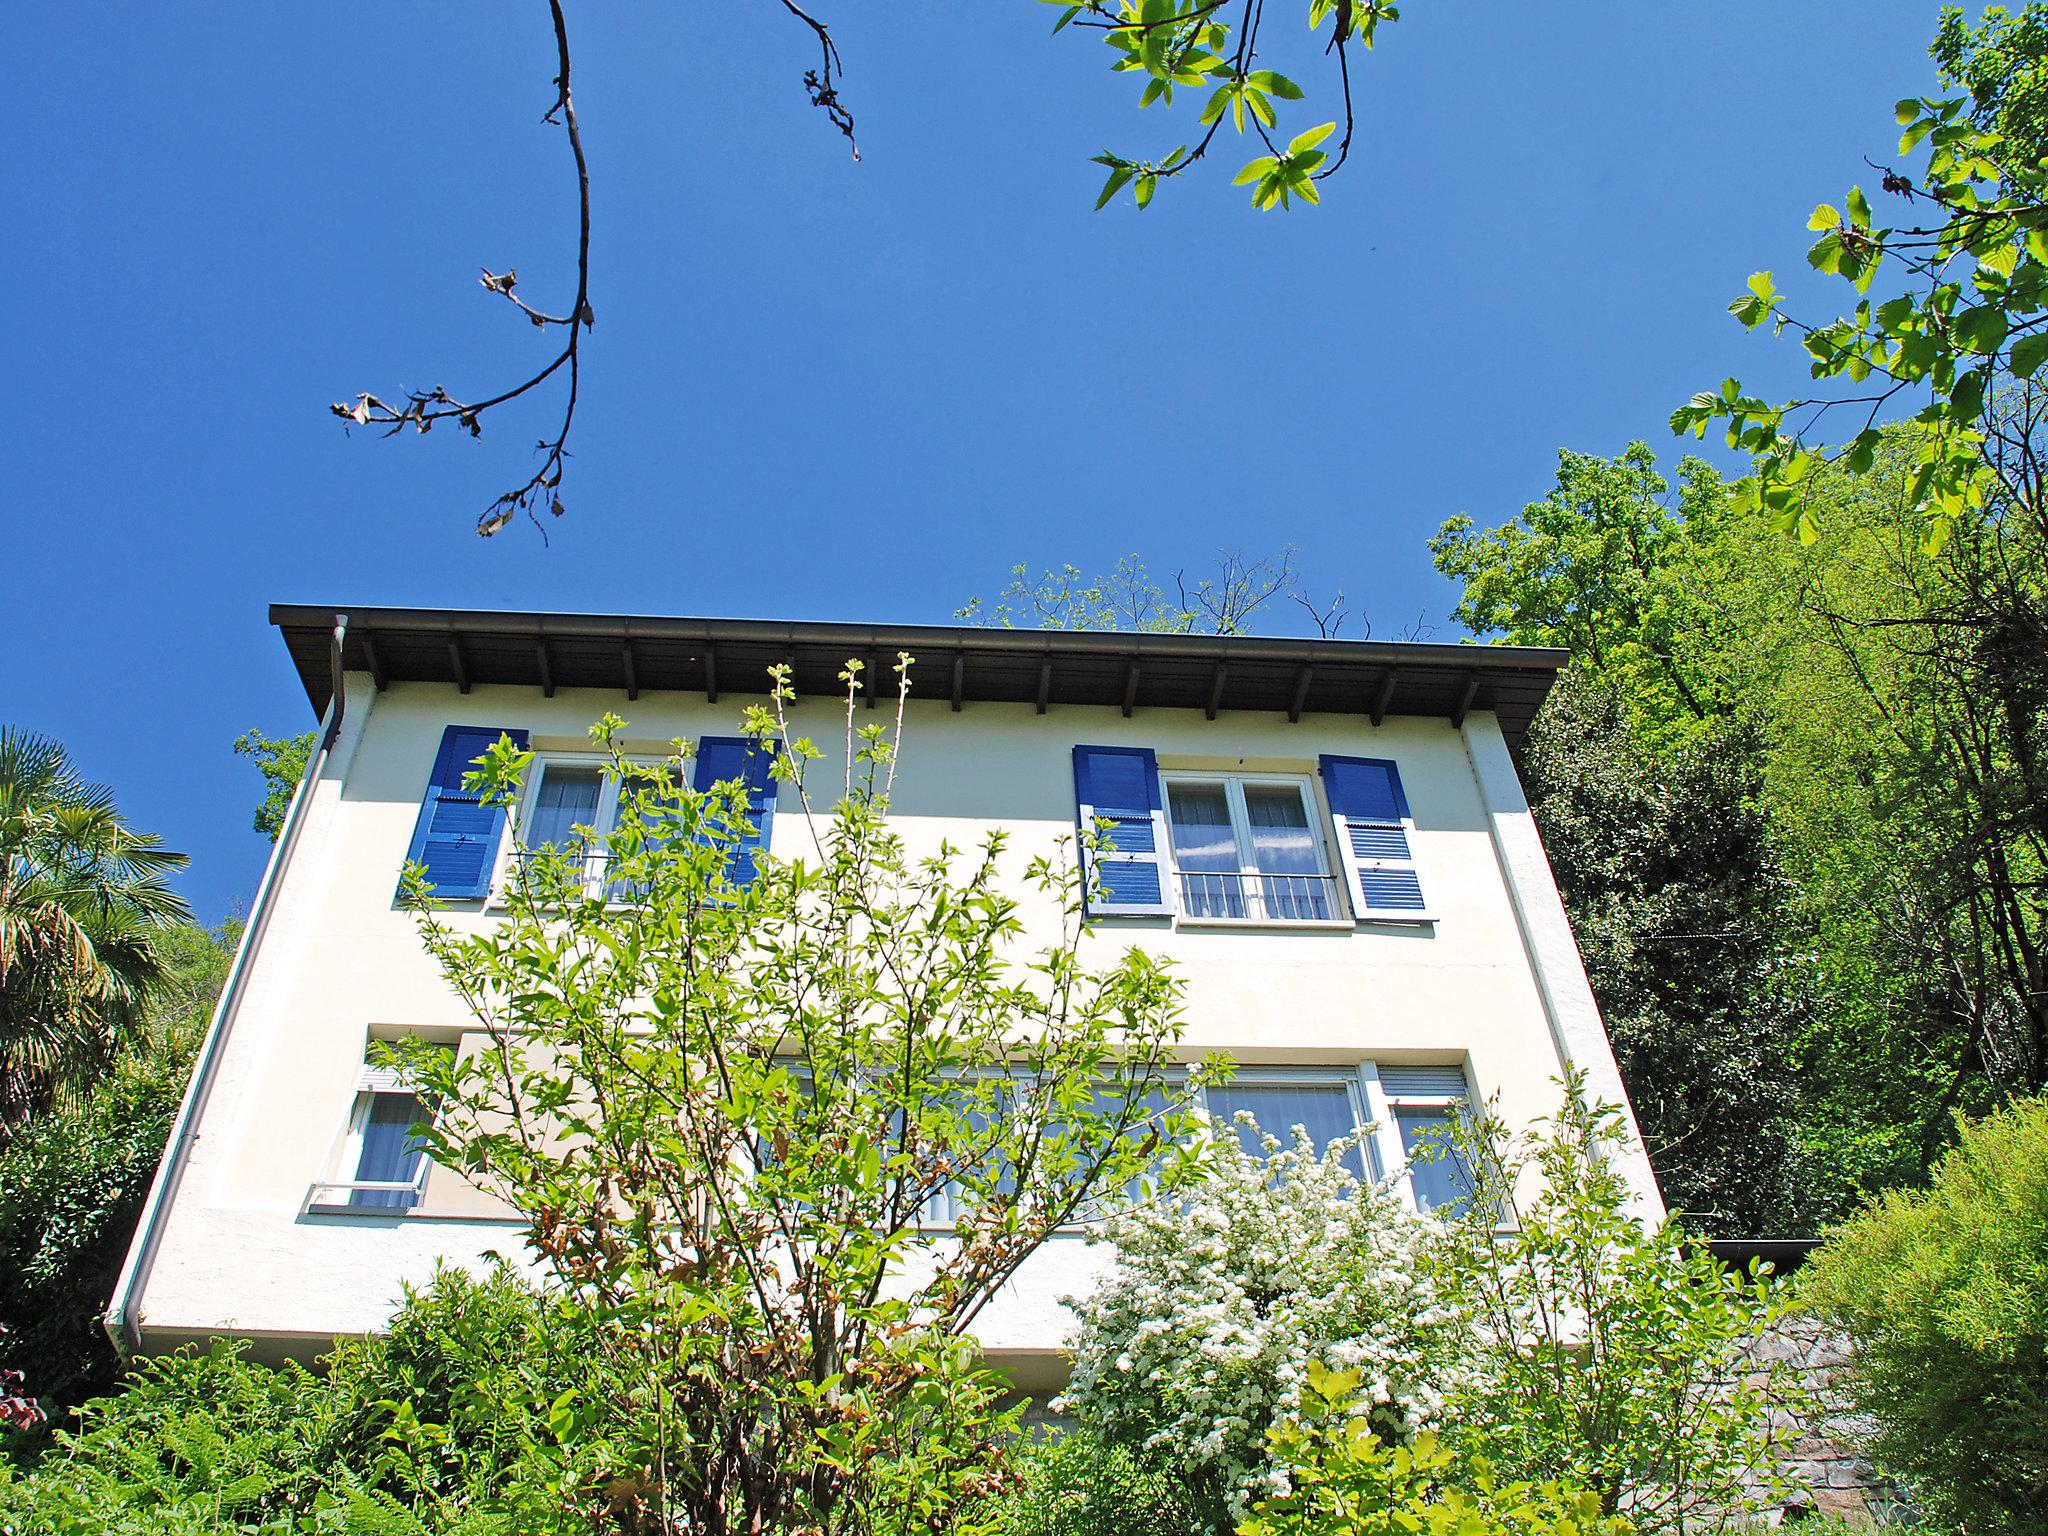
818,389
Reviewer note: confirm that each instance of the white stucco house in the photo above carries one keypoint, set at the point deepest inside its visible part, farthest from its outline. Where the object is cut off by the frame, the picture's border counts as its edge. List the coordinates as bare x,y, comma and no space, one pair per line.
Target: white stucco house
1327,838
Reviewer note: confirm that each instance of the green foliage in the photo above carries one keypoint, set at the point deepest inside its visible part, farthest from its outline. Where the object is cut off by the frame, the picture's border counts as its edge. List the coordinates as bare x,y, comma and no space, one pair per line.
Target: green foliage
1073,1484
1945,1291
1611,567
72,1183
1961,332
1684,912
1795,797
84,901
432,1429
282,762
1203,47
1343,1480
784,1139
1612,1356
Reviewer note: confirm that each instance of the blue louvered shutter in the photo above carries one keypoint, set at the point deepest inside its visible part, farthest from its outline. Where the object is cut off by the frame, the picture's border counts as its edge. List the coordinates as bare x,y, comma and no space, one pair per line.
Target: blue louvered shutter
1375,837
721,760
1117,793
457,834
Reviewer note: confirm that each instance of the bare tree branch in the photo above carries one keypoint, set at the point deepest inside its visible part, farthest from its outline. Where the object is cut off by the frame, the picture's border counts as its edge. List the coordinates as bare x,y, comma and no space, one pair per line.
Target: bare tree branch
424,407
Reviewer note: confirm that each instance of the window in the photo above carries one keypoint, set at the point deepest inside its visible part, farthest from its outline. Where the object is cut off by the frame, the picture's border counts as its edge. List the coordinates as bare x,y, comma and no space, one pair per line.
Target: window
1248,849
1325,1105
567,794
381,1166
1426,1103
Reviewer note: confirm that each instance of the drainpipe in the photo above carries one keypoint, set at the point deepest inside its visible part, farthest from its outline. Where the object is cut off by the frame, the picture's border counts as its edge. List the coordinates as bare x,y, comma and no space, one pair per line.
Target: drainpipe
122,1322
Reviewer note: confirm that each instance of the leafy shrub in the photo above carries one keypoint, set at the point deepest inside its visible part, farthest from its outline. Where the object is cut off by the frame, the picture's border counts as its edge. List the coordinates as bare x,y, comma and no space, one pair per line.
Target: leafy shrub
1945,1292
444,1426
1201,1337
1610,1354
1071,1484
1344,1480
73,1180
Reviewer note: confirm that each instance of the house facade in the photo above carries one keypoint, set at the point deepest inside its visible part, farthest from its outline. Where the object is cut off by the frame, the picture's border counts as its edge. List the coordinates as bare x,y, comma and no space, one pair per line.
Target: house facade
1326,838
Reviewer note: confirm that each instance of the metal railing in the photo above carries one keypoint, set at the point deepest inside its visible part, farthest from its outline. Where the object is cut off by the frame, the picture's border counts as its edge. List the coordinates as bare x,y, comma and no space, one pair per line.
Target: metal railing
341,1194
1243,896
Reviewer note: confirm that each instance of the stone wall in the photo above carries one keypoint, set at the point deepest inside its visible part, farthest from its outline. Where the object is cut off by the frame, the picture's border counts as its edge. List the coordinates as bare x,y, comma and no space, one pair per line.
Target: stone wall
1826,1457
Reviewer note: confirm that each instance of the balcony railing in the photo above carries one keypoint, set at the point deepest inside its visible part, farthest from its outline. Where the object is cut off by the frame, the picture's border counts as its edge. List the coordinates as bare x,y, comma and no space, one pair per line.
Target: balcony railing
368,1194
1254,898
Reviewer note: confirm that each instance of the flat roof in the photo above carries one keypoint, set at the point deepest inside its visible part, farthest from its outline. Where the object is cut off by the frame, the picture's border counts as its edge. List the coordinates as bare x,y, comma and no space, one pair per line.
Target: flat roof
964,665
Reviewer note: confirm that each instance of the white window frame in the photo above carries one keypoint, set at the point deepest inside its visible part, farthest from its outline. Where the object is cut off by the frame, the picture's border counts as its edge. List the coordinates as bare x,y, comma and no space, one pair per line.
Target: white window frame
1248,873
334,1195
1387,1106
1371,1152
602,819
512,847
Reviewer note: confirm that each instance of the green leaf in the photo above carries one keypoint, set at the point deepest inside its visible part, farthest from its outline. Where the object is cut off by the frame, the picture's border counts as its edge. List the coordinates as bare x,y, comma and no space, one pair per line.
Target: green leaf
1275,84
1310,137
1981,329
1254,170
1115,184
2028,353
1824,217
1907,109
1859,208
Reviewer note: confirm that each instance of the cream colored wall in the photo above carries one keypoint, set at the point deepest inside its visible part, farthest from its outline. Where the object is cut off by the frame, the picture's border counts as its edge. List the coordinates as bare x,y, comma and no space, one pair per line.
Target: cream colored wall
1495,978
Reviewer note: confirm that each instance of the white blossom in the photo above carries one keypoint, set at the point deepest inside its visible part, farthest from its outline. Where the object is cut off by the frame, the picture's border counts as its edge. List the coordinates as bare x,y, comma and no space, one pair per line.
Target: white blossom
1200,1336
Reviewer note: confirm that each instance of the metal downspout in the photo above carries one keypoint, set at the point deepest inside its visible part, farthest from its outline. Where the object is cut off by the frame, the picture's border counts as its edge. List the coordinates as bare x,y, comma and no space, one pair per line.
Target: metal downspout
122,1323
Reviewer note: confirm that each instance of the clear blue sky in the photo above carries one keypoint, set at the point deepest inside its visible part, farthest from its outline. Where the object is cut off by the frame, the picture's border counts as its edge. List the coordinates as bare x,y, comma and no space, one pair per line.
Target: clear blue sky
819,389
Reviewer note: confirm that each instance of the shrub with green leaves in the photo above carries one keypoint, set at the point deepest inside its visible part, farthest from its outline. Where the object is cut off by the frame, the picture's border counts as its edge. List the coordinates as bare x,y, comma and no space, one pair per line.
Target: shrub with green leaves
1945,1292
1610,1353
1344,1480
1073,1484
430,1429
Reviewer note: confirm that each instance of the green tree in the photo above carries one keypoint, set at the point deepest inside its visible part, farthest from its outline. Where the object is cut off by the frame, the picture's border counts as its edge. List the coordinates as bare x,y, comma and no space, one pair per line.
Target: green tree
1611,566
84,902
1945,1292
783,1137
282,762
1684,912
72,1182
1965,326
1343,1480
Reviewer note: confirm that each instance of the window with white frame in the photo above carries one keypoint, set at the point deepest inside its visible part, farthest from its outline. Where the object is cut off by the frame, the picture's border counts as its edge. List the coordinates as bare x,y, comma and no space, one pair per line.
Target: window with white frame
1420,1107
1249,848
381,1164
1426,1104
571,805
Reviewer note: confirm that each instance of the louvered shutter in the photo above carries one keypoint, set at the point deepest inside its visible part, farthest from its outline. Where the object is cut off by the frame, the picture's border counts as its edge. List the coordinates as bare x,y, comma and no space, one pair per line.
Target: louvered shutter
751,761
1117,794
1374,836
457,834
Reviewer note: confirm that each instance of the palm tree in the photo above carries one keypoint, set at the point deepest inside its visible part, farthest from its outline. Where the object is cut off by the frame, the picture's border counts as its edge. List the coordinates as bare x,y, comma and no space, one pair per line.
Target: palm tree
83,902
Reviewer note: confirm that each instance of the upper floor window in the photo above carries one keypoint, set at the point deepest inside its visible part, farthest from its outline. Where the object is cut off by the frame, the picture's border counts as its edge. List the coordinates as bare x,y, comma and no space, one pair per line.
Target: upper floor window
569,805
1248,847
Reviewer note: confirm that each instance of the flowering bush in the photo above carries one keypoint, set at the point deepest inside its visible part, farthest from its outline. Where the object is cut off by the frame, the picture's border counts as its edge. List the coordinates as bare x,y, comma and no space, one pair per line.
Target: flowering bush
1201,1339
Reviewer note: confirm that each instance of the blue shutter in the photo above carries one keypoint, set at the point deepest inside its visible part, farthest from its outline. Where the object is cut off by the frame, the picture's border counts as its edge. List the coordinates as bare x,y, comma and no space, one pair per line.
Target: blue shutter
457,834
723,759
1374,835
1116,790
